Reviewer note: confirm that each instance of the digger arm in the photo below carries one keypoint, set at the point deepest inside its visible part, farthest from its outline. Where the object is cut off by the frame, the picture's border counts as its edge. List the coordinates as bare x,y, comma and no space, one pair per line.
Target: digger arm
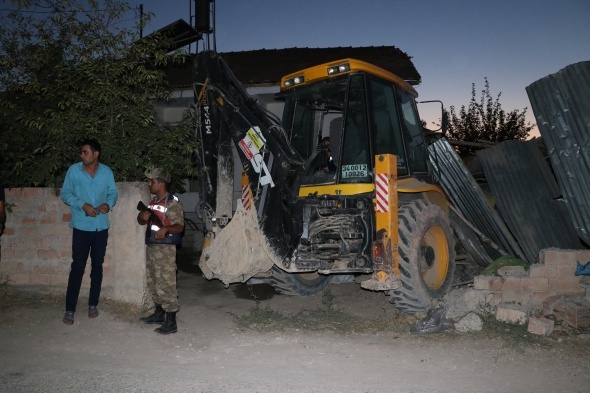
229,115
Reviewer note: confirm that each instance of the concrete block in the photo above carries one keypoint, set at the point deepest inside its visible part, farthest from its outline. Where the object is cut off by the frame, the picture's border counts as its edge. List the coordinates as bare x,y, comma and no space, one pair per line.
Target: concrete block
511,284
561,257
535,284
540,326
487,283
510,315
566,285
518,297
512,271
568,270
538,297
539,270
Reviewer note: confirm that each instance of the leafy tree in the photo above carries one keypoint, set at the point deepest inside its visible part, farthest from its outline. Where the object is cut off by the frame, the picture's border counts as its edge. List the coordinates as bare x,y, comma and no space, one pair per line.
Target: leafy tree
486,121
69,69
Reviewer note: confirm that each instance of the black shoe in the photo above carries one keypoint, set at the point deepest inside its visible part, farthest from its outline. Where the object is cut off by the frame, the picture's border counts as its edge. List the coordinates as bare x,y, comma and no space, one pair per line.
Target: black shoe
159,316
169,326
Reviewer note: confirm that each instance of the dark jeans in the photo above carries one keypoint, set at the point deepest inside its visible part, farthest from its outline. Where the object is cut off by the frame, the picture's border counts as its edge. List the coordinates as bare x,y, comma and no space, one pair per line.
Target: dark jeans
86,243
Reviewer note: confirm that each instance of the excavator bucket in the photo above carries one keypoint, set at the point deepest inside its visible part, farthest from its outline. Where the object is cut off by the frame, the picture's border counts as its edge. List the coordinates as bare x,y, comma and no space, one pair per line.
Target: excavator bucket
239,251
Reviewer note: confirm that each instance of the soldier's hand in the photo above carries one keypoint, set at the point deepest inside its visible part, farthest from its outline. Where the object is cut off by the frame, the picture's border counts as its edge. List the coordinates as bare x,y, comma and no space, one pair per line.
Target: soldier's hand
144,216
162,232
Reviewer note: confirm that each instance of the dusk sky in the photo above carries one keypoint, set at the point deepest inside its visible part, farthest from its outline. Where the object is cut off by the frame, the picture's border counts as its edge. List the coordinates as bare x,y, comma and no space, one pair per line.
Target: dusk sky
452,43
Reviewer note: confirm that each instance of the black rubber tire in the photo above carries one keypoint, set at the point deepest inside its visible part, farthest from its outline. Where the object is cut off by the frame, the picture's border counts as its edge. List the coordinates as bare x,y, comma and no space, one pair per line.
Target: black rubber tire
425,238
298,284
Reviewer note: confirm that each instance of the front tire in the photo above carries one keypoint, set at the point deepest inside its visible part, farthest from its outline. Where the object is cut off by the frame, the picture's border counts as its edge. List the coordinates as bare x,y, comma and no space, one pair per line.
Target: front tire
298,284
426,257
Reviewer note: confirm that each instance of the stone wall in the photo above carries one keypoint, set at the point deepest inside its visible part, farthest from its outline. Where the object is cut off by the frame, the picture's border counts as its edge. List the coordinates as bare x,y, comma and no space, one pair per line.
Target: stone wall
36,246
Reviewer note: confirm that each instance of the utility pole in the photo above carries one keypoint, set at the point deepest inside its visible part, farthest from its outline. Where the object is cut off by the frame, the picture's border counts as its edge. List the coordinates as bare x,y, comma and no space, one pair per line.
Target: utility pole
141,21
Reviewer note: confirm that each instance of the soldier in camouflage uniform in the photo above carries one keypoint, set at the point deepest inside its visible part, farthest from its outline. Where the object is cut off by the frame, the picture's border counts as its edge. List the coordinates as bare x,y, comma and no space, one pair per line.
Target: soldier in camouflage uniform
165,225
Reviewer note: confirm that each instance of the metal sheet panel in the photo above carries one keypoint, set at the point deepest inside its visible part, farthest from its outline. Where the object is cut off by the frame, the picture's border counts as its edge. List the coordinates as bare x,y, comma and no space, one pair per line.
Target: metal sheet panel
561,104
466,195
525,191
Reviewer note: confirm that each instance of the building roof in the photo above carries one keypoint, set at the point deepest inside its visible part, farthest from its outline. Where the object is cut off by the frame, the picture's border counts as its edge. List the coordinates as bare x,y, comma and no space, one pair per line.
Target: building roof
268,66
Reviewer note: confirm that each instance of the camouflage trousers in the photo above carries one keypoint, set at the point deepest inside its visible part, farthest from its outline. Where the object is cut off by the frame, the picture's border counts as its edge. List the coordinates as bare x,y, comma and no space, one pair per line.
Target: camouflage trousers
161,275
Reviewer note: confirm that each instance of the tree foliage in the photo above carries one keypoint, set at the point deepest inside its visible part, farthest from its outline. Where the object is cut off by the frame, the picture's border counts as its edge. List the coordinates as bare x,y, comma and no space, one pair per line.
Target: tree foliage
70,69
486,121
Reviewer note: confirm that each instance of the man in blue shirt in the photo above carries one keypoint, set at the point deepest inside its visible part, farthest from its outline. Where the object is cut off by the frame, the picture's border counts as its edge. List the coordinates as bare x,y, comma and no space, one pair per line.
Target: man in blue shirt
89,190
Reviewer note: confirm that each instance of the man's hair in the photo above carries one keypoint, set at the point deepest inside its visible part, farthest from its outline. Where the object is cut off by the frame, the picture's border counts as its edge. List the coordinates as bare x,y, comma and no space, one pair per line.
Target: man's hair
93,143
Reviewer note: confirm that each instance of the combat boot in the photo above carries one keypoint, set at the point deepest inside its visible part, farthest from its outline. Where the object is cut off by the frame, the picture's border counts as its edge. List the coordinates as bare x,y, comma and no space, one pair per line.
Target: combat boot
159,316
169,326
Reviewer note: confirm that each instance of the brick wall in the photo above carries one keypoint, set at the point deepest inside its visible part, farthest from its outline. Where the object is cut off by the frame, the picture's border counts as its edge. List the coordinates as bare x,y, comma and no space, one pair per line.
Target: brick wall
36,246
552,276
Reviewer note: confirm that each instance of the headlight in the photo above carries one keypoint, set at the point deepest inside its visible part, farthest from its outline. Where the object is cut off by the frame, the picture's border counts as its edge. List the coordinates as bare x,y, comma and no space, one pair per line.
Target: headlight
338,69
294,81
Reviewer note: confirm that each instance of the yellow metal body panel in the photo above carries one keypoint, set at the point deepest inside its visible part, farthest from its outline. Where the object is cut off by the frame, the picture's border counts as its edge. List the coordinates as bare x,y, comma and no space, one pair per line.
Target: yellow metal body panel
319,72
334,189
408,185
386,221
386,270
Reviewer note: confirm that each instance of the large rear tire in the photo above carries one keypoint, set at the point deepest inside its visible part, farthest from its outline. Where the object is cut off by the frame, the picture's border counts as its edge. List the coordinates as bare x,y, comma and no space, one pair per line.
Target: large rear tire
298,284
426,257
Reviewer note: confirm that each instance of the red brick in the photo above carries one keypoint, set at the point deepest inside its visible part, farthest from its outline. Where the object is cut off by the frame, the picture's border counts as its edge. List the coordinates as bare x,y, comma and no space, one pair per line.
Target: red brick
28,230
19,279
30,193
540,326
43,268
59,279
13,267
511,284
50,218
539,270
47,254
38,242
40,279
50,206
28,253
7,254
535,284
14,193
578,315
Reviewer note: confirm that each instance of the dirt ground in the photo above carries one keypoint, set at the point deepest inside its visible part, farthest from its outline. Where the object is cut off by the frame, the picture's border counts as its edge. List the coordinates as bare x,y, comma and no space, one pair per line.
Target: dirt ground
212,353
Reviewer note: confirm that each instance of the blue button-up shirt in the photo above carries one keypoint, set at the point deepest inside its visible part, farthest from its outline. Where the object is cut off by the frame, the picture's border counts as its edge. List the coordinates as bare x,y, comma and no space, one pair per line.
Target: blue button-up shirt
80,188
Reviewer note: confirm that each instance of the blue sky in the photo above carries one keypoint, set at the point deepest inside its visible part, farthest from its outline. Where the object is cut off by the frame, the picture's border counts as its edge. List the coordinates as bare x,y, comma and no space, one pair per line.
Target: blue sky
453,43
